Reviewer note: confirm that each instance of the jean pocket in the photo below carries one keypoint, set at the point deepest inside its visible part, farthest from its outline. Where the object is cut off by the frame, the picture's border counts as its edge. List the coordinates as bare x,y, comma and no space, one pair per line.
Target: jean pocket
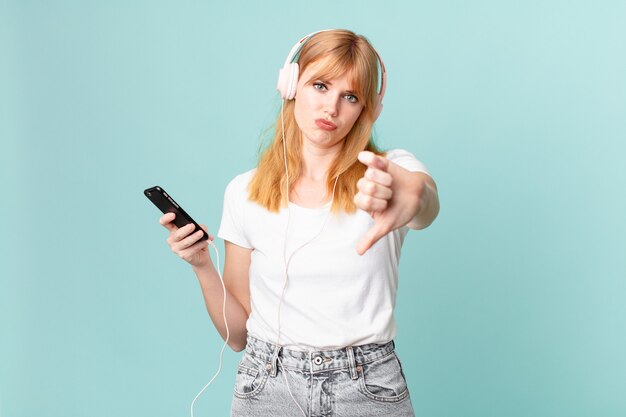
383,380
251,377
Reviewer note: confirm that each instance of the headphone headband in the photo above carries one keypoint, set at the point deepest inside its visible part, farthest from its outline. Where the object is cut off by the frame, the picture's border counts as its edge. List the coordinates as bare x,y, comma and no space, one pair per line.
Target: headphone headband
295,50
288,74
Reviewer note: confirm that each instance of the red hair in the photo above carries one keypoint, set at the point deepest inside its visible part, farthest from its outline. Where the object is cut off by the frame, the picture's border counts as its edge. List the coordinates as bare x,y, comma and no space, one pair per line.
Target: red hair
340,52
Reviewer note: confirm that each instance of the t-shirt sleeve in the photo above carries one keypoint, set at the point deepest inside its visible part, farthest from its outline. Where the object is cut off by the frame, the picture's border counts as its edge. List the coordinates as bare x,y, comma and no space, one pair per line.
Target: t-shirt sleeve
407,161
232,225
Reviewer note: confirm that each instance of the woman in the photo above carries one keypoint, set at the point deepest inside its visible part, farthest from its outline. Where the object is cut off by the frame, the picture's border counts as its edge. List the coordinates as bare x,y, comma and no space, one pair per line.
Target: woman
312,239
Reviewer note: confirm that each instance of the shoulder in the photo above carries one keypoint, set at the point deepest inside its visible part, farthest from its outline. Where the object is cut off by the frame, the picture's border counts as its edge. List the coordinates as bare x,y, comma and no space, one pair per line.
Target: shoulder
406,160
239,184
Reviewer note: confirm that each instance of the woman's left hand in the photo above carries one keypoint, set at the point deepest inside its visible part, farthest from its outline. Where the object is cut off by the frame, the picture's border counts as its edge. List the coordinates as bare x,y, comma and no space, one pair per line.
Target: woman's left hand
394,197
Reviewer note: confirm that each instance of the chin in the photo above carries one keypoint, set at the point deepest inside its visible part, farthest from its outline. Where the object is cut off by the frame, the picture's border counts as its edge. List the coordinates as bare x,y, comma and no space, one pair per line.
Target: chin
329,143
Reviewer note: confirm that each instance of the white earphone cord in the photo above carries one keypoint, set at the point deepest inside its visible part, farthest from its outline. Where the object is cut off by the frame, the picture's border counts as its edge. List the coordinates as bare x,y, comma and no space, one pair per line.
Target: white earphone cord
219,273
285,259
288,260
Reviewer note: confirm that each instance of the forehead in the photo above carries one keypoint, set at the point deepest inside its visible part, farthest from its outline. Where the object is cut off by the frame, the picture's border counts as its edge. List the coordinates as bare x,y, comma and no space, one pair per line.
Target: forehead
328,69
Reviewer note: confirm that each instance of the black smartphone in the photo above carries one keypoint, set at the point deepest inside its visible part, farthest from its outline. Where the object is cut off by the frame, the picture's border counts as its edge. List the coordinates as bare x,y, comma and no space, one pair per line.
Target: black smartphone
166,204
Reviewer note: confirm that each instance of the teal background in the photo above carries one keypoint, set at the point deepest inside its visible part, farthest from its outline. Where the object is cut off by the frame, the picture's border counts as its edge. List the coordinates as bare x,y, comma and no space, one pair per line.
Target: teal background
511,304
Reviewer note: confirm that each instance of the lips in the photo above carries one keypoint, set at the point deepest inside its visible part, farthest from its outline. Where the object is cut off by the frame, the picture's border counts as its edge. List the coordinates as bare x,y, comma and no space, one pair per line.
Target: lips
325,125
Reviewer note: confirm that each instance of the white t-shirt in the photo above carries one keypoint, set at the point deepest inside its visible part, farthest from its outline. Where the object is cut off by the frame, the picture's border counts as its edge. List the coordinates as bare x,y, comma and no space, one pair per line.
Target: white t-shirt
334,297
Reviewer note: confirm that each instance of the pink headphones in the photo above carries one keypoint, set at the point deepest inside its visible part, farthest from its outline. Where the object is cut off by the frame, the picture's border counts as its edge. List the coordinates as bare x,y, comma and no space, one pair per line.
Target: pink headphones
288,74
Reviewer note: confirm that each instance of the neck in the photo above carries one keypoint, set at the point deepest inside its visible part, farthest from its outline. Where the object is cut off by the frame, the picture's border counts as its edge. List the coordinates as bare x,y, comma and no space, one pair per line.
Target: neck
317,161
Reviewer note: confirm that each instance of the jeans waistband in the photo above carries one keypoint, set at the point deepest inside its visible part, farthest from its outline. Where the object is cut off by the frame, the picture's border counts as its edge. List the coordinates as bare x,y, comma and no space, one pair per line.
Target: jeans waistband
320,360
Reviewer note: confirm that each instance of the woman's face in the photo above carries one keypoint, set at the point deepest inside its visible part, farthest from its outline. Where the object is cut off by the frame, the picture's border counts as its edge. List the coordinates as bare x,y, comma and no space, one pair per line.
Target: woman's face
325,110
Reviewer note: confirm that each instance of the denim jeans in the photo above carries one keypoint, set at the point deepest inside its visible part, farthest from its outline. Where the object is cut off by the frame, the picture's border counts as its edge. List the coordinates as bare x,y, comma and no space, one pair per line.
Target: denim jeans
356,381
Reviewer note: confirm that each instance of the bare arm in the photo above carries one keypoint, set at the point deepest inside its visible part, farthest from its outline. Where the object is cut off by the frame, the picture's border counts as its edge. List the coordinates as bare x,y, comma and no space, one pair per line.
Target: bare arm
395,197
236,280
187,245
428,201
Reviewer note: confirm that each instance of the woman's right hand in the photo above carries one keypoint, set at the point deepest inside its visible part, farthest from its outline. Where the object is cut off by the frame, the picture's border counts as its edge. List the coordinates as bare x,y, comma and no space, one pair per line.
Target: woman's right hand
185,244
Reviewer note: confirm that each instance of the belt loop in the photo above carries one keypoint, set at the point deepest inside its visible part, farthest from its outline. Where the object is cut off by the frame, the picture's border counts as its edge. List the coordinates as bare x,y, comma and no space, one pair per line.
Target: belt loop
352,363
274,362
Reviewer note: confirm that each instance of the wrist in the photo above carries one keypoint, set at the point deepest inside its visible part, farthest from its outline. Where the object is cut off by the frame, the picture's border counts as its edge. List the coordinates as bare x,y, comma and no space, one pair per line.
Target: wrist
427,205
202,268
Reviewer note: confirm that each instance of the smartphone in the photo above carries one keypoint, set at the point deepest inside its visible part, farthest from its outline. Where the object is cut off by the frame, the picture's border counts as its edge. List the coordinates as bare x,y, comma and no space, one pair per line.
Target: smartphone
166,204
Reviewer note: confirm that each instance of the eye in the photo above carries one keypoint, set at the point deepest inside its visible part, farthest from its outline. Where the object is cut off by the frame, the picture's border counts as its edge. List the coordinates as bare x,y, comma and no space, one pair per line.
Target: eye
319,86
351,98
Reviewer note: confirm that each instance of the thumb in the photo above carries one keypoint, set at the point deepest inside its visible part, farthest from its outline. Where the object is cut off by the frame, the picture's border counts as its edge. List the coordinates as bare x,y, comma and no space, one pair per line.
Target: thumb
372,236
371,160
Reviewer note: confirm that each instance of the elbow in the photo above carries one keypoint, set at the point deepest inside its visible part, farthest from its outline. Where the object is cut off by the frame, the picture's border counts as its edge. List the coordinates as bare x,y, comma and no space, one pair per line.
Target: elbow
237,345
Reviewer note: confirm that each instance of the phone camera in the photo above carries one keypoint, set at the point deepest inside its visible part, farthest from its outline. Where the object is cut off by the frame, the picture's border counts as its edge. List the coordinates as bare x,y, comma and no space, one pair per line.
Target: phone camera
148,193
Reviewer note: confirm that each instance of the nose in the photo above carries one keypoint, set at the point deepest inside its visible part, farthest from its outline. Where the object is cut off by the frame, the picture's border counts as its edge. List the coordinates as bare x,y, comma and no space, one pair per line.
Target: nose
331,105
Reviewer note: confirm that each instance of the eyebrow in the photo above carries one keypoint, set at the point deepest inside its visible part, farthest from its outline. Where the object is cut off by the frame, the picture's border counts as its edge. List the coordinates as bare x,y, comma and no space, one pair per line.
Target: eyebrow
345,92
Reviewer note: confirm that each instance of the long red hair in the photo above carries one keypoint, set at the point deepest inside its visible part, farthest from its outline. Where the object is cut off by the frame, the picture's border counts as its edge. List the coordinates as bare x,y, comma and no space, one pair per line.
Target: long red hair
343,52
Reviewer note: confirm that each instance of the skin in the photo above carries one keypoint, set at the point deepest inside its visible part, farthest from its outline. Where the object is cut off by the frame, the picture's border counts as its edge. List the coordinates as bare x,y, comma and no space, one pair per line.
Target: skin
393,196
330,100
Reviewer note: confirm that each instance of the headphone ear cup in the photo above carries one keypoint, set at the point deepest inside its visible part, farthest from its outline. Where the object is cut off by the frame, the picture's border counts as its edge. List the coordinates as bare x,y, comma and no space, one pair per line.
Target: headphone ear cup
283,81
288,81
293,81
